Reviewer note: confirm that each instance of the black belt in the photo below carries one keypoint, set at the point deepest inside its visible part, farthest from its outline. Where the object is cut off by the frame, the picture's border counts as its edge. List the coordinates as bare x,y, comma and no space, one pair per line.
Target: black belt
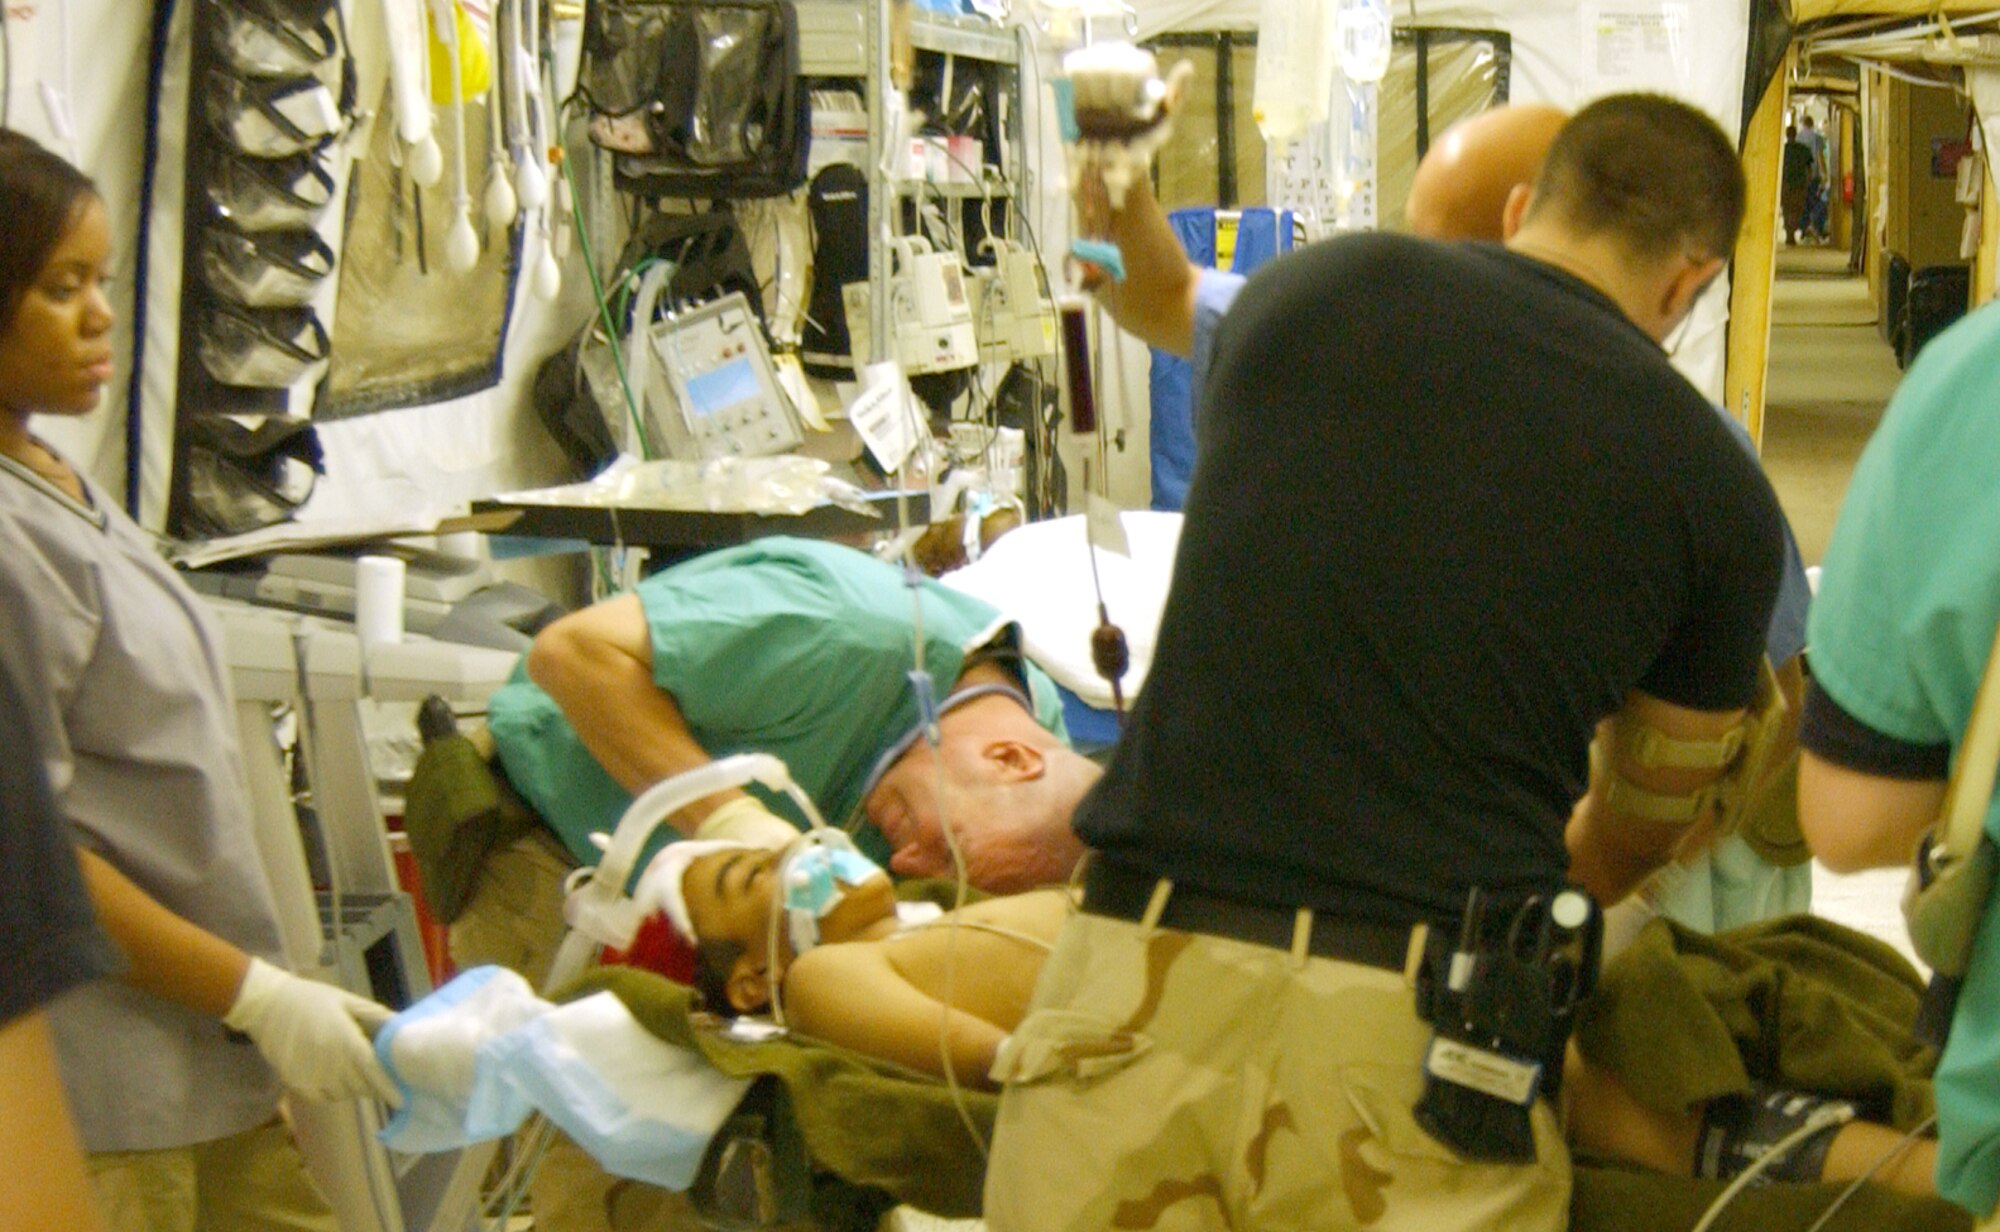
1123,893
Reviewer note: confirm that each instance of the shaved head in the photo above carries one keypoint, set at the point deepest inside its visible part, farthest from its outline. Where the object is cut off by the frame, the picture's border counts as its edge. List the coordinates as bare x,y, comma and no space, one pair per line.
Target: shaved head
1461,186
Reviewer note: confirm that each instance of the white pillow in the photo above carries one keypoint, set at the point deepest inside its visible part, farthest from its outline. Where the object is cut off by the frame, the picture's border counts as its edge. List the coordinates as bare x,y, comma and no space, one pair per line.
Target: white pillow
1039,575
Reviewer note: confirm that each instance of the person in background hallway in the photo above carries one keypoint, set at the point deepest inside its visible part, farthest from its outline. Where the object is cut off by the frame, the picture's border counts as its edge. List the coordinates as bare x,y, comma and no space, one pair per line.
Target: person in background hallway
1819,192
1794,181
173,1071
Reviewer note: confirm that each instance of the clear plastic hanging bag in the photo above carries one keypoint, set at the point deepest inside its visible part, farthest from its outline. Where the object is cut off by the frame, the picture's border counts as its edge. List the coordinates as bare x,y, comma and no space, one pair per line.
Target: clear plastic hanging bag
267,194
275,38
268,269
262,348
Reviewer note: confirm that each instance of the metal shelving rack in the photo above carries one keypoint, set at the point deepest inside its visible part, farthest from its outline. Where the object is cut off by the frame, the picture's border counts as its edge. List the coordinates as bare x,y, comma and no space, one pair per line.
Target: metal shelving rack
845,38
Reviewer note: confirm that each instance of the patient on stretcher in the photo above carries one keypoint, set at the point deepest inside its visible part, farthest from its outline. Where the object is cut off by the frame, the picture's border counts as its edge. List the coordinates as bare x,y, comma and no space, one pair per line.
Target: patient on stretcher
850,971
824,932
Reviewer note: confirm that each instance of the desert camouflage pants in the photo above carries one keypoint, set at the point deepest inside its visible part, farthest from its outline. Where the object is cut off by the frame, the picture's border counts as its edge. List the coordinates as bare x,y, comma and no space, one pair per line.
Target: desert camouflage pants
1166,1080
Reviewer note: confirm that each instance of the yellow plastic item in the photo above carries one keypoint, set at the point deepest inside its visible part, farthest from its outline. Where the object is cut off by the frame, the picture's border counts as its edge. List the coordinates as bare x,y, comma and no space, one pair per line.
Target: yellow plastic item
475,67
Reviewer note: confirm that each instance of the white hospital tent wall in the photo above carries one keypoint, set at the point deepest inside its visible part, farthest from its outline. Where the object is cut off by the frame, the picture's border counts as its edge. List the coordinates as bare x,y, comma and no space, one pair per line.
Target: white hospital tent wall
89,58
405,461
432,456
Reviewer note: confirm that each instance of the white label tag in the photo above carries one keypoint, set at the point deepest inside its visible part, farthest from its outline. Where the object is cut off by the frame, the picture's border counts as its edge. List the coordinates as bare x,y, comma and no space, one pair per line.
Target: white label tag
1106,526
792,379
883,415
752,1031
1486,1072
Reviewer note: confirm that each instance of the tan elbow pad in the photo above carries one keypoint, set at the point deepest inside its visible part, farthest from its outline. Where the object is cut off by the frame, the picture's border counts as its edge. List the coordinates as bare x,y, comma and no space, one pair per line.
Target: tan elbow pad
1755,794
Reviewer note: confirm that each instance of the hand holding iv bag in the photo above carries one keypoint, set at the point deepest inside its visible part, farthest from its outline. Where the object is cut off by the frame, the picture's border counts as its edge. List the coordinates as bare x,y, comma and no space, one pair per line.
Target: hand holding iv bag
1120,110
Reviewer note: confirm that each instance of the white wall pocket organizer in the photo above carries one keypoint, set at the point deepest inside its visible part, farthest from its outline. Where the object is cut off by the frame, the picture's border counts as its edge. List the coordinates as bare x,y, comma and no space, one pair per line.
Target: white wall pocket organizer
275,38
262,348
273,117
265,194
268,269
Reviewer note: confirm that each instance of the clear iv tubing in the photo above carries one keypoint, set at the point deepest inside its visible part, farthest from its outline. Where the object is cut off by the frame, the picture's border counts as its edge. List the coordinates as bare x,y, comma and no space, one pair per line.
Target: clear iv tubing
596,905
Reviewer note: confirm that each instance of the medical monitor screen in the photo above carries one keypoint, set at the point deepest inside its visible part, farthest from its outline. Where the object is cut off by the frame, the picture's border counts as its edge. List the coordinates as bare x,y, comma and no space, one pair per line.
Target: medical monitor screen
718,389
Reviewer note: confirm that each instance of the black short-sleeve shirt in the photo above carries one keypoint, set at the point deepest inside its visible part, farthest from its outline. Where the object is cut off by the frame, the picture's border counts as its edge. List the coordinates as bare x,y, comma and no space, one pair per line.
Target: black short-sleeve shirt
1449,507
49,938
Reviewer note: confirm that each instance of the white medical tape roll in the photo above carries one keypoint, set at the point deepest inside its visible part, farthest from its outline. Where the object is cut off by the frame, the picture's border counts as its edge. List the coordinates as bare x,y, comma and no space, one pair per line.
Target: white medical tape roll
378,599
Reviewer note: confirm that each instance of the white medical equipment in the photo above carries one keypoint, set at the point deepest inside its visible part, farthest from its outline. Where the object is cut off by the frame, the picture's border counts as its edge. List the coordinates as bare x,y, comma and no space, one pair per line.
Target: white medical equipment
408,48
1113,111
461,245
930,310
598,909
1120,111
706,381
475,1058
1014,315
359,931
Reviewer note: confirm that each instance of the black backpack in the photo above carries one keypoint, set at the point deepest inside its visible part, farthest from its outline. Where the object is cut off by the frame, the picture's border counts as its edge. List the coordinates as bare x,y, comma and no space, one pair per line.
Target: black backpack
697,98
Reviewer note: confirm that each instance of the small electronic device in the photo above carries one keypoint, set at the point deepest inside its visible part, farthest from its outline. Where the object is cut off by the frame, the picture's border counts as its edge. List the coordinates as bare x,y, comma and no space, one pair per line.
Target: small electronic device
929,306
715,392
1013,313
1028,299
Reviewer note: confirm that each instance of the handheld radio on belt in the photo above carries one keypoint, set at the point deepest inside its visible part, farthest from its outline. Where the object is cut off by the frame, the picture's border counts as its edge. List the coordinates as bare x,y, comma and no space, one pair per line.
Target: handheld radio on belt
1503,1003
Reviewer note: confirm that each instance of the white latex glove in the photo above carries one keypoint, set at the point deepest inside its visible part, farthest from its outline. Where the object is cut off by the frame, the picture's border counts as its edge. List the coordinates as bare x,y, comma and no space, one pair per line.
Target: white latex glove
745,820
313,1034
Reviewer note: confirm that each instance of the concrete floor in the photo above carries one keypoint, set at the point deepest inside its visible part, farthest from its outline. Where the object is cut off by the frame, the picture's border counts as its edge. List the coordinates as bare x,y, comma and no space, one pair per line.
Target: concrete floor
1830,375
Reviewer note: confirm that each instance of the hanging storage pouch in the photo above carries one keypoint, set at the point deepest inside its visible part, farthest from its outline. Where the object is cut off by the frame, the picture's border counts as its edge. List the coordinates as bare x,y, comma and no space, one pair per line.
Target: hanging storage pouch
733,107
275,38
272,118
262,348
266,194
241,477
268,269
628,51
699,98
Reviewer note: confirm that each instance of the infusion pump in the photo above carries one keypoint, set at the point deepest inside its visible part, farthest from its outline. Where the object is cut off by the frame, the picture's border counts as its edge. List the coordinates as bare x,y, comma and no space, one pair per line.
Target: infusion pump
713,392
930,310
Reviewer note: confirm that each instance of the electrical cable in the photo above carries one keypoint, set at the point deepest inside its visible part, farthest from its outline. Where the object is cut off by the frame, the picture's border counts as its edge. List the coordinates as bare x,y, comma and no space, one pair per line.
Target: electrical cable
1896,1149
1830,1116
1915,79
604,315
530,1145
625,389
1898,36
961,889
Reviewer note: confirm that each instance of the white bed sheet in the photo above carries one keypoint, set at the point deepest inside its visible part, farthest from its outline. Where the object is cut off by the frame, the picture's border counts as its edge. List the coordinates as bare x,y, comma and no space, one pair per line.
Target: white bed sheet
1039,575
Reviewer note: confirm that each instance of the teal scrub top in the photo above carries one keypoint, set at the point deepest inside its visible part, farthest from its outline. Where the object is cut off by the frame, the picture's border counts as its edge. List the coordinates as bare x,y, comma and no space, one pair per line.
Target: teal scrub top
1899,635
793,647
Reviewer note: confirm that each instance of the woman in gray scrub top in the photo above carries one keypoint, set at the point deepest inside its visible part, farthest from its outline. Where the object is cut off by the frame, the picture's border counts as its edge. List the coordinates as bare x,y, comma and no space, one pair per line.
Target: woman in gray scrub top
172,1070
